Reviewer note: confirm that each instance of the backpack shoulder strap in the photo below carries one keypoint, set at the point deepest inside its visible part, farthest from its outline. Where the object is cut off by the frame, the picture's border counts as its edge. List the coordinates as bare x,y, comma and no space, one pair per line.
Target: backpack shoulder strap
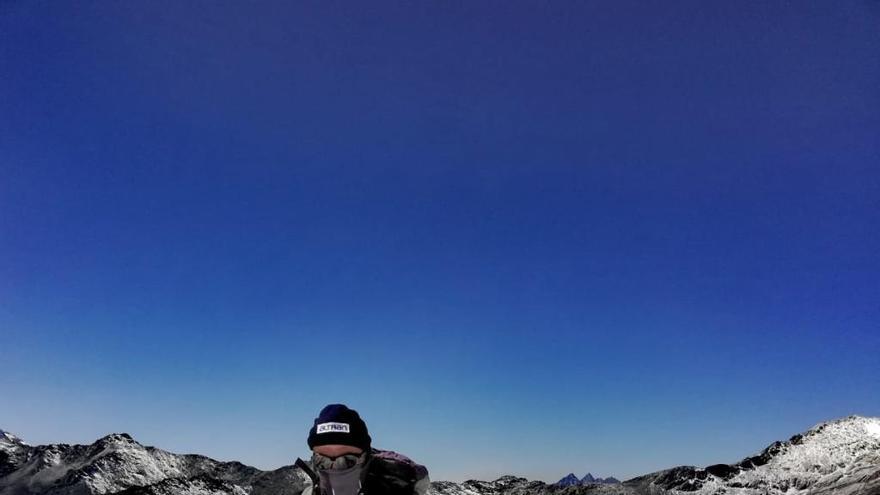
316,483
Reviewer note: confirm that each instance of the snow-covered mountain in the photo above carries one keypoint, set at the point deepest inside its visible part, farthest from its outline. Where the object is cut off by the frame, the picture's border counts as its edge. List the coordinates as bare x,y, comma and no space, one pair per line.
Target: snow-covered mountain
839,457
9,439
118,464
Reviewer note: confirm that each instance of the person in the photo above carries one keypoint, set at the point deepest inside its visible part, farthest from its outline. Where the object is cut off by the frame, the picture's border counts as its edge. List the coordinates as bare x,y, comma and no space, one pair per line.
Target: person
344,461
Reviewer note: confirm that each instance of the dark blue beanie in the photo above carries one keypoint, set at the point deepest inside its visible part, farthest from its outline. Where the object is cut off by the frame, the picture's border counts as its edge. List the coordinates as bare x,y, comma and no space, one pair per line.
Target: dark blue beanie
336,424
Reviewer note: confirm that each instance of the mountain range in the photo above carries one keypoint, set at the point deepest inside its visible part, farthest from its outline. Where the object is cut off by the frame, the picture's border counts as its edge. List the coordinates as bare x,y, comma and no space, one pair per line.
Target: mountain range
571,480
840,457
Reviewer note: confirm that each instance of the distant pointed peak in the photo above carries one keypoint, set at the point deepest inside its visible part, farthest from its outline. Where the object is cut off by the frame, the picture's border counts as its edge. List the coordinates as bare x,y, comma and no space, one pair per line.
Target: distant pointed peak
569,479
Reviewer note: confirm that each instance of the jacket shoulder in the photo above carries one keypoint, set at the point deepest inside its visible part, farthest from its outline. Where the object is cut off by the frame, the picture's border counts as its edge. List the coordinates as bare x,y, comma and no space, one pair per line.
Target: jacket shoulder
395,463
392,473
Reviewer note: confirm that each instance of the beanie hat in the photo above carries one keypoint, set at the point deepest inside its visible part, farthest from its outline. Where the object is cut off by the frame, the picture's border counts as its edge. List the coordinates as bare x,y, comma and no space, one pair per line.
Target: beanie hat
336,424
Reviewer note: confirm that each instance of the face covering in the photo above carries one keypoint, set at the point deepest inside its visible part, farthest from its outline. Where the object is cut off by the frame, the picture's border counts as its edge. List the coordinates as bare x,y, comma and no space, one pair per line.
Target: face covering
340,475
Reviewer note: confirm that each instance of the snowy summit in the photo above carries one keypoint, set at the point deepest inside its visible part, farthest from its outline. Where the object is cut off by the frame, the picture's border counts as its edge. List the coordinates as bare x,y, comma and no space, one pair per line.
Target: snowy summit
9,438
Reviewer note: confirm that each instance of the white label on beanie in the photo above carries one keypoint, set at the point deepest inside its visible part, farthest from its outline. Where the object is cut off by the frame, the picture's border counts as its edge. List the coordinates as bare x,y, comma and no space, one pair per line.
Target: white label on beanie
333,428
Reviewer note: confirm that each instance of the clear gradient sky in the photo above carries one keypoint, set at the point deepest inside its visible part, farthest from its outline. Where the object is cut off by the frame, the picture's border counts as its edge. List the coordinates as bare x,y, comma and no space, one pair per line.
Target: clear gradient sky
518,237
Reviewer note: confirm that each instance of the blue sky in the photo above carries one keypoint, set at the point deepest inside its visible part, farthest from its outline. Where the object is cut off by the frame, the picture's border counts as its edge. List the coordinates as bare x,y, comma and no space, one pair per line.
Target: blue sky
526,238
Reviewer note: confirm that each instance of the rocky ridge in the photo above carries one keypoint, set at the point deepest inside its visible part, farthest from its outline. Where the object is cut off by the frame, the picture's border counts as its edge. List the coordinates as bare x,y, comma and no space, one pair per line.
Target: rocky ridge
840,457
